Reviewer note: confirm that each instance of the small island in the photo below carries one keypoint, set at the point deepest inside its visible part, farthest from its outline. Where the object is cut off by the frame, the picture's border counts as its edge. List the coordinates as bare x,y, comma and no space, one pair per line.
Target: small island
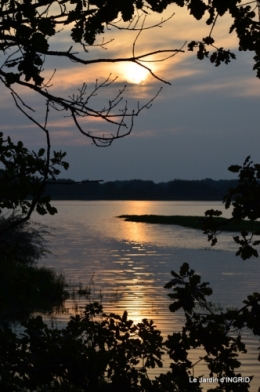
193,222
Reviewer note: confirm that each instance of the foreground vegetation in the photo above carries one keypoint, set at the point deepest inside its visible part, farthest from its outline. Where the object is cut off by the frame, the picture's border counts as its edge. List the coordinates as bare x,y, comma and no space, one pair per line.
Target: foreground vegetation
98,352
25,290
25,287
193,222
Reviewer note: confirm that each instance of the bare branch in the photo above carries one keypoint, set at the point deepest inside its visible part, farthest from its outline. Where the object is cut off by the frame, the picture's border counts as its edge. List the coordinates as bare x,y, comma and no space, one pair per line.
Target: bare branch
142,28
74,58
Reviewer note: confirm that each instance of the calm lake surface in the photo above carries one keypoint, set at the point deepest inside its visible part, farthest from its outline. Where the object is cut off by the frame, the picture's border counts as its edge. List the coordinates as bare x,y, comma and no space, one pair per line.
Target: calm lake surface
128,263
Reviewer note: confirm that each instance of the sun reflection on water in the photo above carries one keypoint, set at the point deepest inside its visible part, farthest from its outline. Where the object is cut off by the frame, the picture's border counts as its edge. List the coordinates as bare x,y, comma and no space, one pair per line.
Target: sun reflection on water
135,232
131,262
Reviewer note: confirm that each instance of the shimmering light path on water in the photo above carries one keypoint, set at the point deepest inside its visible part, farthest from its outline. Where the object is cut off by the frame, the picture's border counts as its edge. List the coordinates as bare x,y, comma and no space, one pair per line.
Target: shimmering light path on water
129,263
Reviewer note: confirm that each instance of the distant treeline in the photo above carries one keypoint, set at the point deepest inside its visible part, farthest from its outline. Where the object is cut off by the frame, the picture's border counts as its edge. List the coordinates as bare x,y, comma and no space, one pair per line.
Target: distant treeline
207,189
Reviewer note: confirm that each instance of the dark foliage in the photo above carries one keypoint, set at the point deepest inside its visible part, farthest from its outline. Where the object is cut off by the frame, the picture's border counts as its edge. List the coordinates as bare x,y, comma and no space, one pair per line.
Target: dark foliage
245,202
24,175
25,287
103,353
24,244
25,290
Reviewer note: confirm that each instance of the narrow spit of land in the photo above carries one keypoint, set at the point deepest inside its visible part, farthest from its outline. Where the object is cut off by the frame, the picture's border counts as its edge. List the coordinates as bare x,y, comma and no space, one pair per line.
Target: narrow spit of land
193,222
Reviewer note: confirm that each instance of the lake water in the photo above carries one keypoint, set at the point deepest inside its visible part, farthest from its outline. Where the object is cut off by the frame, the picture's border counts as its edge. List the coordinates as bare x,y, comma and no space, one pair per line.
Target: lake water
129,263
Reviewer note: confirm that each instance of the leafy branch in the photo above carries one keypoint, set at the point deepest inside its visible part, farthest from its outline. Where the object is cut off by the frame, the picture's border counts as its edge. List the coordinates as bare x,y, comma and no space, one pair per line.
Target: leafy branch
245,201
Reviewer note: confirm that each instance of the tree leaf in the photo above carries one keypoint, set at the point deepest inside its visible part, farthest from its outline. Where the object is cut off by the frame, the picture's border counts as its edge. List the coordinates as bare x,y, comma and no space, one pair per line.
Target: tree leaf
38,41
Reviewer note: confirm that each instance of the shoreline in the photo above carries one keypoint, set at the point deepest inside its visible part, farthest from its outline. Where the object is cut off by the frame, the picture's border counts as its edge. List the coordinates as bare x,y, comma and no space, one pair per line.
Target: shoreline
193,222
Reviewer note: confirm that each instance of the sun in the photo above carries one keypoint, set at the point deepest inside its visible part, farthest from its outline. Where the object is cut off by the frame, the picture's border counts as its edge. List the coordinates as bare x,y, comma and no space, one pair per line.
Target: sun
134,73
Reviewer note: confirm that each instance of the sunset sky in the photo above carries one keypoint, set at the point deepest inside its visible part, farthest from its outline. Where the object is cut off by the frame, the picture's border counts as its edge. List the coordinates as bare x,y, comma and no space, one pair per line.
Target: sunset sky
206,120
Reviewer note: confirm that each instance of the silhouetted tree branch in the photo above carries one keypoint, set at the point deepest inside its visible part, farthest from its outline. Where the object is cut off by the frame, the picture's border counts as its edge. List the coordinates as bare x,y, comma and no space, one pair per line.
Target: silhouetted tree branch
244,199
